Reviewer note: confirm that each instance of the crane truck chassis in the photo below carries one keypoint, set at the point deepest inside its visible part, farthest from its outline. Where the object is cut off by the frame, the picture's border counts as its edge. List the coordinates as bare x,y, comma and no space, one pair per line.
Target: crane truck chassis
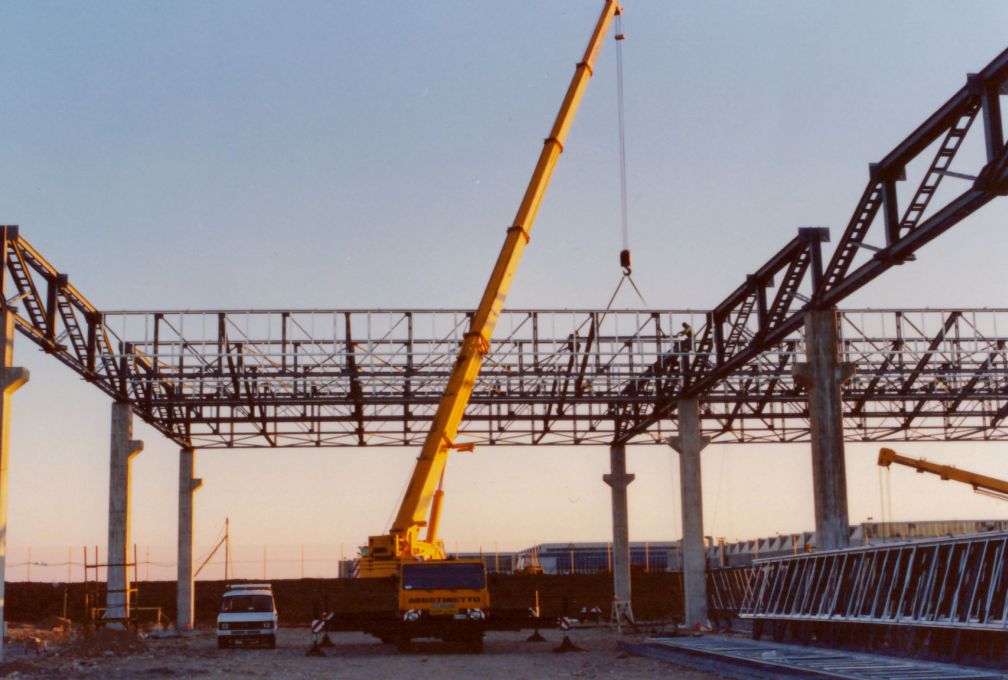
446,600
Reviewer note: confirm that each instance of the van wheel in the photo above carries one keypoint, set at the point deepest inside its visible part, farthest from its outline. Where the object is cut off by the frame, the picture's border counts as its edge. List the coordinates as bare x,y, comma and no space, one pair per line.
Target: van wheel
404,644
222,643
271,642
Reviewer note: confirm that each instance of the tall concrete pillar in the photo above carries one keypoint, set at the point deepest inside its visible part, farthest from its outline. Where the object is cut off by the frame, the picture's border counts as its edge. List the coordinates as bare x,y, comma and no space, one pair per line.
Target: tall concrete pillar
618,481
188,484
122,451
11,378
823,375
689,443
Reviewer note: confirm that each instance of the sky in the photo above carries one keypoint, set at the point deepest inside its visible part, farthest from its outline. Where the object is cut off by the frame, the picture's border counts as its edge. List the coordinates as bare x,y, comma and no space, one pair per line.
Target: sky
194,155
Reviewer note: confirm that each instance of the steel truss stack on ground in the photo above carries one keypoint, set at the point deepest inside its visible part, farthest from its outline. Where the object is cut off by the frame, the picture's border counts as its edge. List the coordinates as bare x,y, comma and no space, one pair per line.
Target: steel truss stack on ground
948,597
726,592
736,657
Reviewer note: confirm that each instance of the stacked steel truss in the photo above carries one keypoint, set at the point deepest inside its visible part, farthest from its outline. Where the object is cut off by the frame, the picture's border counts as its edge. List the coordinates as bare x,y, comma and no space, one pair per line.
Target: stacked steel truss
726,591
956,584
949,583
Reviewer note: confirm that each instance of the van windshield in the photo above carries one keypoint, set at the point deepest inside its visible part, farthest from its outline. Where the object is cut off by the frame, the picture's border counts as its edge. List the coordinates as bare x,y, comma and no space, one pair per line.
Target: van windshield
442,576
247,603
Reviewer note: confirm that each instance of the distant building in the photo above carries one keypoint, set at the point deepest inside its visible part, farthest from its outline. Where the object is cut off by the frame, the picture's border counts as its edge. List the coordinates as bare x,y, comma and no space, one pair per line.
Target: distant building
742,553
581,558
496,562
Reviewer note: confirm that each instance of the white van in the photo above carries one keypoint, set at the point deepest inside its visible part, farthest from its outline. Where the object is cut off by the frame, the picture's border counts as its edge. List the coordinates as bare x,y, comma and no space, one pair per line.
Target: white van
247,616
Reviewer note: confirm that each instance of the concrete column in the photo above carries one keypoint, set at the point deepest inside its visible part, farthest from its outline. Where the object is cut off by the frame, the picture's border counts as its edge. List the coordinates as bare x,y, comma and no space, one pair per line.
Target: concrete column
11,378
188,484
618,481
689,444
823,375
122,451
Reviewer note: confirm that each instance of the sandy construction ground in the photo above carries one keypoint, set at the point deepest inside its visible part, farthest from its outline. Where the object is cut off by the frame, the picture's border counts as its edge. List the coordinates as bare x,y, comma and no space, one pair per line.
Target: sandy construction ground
506,655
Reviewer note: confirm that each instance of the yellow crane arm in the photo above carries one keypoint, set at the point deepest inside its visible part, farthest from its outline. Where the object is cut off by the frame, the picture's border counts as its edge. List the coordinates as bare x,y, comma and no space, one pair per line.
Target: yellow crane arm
440,439
981,483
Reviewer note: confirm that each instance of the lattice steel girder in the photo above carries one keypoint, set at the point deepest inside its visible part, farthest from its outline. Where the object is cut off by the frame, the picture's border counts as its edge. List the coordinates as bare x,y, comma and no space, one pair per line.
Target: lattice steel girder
220,379
736,336
294,378
959,583
726,590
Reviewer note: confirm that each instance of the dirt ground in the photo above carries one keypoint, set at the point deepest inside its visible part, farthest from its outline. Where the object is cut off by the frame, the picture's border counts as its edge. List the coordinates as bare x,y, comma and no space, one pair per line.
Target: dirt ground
353,656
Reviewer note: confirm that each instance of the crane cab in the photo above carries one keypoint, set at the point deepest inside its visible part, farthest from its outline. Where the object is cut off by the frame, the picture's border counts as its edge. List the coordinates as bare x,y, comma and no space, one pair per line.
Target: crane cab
446,599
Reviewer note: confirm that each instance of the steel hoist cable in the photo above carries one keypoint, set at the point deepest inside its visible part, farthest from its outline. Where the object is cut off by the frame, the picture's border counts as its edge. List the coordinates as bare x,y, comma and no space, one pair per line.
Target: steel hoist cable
625,258
625,222
626,277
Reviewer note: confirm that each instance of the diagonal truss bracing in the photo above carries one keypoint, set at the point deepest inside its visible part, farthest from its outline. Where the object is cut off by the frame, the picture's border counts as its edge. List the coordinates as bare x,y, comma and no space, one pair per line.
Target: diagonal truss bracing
266,378
888,225
957,583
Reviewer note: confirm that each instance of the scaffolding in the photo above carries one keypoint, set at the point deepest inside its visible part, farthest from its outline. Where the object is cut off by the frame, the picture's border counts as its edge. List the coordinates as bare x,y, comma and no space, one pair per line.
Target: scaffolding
95,590
948,595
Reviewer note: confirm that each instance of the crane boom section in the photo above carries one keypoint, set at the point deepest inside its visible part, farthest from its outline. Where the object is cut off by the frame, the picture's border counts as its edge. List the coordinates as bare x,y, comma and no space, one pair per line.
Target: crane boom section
977,481
417,499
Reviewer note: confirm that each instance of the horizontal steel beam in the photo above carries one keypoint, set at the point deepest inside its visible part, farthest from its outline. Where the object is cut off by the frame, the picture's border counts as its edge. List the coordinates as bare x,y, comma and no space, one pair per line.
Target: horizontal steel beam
250,378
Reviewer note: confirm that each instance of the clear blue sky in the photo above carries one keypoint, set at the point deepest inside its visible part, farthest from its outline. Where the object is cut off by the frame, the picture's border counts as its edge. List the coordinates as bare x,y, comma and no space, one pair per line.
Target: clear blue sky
267,154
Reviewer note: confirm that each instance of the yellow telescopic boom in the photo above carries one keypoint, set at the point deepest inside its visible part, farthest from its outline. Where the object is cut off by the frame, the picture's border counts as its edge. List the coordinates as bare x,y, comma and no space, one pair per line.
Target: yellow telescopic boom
403,541
989,486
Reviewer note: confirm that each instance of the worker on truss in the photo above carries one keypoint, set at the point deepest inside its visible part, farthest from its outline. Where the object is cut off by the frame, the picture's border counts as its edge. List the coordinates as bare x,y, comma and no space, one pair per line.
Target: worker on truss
684,345
686,335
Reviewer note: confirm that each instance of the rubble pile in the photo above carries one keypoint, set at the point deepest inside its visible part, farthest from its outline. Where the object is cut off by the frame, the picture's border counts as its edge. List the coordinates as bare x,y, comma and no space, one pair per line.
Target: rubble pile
105,642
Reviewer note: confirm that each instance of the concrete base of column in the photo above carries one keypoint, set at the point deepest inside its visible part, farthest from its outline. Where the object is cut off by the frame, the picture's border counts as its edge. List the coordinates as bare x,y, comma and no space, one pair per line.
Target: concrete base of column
123,449
618,480
689,444
188,484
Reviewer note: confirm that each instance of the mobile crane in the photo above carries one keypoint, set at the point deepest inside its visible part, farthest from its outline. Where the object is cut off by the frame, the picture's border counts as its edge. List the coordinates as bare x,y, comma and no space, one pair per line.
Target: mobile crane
421,503
437,597
982,484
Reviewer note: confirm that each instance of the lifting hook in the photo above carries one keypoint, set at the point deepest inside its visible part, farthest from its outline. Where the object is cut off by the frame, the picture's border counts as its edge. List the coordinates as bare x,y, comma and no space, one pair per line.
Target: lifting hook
624,260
